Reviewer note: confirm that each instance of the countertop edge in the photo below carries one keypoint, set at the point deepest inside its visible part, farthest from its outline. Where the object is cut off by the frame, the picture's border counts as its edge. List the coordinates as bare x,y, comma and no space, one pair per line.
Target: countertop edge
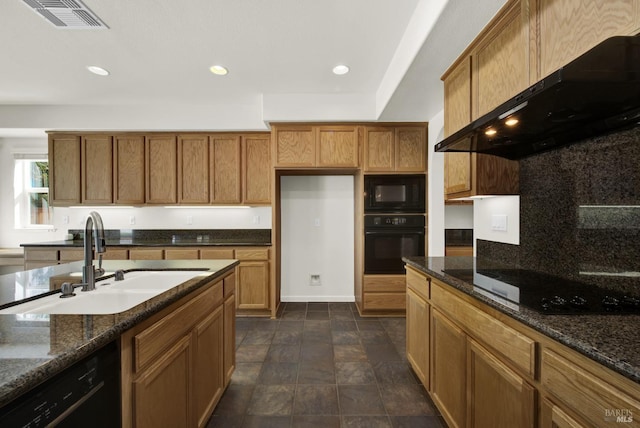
27,381
620,366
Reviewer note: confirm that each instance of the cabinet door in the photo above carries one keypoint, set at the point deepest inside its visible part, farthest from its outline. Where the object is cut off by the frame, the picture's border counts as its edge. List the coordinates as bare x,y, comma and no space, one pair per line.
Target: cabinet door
253,285
418,336
229,336
338,146
146,254
161,393
193,169
225,161
379,149
64,168
448,374
501,60
552,416
411,149
569,28
128,169
161,169
181,254
97,169
295,146
457,114
256,157
208,359
499,397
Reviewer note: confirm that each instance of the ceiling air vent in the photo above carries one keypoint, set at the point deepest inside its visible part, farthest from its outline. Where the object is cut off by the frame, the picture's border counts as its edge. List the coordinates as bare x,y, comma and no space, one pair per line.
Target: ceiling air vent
69,14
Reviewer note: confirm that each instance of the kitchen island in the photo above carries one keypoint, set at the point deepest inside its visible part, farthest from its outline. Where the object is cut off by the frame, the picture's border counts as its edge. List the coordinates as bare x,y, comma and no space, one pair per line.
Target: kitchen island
486,357
35,347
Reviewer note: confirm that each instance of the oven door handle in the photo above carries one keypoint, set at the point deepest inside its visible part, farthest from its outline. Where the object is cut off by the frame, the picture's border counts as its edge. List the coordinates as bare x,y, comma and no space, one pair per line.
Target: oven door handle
397,231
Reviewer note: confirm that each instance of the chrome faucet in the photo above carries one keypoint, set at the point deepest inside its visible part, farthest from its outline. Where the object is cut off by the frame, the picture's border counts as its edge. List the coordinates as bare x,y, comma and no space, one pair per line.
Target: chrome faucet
93,224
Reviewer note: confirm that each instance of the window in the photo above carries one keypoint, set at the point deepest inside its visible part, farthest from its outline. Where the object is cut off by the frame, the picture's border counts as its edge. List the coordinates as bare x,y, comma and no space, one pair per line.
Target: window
31,186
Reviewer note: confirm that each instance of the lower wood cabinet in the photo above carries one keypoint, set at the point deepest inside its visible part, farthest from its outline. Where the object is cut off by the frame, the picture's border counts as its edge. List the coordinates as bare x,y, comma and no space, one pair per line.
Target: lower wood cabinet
383,294
498,397
174,366
229,327
485,369
449,369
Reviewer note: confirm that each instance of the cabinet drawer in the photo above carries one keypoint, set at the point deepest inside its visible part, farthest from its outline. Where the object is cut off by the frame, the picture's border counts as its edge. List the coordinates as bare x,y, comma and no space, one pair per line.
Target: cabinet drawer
418,283
146,254
216,254
154,340
384,301
513,345
71,255
582,391
380,283
253,254
41,255
181,254
229,285
116,254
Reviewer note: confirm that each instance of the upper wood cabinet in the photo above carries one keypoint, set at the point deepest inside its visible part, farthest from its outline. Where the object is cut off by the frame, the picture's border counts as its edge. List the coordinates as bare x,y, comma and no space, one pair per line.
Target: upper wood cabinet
97,169
326,146
337,146
128,169
225,165
161,169
395,149
256,169
64,170
500,60
590,23
193,169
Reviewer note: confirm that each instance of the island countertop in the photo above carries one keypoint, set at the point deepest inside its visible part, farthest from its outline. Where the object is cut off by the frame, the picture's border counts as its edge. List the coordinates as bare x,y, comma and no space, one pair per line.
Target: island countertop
611,340
34,347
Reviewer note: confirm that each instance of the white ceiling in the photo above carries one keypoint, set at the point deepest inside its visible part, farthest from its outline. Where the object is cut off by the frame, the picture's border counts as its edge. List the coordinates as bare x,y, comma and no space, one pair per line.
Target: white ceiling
279,54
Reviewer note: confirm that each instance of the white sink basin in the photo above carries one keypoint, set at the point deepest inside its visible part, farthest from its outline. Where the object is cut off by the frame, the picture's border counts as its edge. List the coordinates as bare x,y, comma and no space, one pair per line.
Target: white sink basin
110,296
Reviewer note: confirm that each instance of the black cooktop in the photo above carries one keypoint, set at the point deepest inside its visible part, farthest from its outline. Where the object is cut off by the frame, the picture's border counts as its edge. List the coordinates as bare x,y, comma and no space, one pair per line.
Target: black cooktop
546,293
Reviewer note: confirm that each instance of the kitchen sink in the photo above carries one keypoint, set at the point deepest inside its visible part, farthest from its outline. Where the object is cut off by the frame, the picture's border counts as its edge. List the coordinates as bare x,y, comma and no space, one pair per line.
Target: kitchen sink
110,296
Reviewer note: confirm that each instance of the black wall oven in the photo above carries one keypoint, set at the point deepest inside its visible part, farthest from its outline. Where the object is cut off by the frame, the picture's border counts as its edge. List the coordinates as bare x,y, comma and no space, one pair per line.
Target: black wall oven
394,193
388,238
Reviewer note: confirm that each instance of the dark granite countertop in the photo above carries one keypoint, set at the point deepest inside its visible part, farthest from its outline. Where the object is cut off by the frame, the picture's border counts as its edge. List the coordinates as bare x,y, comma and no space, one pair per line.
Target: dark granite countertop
34,347
611,340
166,238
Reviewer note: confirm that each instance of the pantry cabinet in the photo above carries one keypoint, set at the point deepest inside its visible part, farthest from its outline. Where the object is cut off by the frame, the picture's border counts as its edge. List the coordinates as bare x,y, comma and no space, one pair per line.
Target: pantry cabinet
128,169
395,149
161,169
97,169
326,146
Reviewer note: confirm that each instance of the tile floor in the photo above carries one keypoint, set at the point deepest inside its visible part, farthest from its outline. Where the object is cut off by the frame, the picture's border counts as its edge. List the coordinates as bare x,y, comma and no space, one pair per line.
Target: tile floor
322,365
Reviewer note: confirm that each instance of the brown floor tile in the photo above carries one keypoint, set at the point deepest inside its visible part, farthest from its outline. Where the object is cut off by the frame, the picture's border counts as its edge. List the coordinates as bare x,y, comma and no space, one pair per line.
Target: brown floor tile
315,372
283,353
225,421
360,400
258,337
417,422
287,337
251,353
367,324
394,372
343,325
366,422
349,353
316,400
271,400
354,373
293,315
278,374
307,421
246,373
317,352
406,400
318,306
379,337
345,337
385,352
291,325
266,422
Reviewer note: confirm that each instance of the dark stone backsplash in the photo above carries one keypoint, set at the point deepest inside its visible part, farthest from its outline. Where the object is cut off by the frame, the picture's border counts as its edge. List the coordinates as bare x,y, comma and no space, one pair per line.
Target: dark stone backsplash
258,236
580,213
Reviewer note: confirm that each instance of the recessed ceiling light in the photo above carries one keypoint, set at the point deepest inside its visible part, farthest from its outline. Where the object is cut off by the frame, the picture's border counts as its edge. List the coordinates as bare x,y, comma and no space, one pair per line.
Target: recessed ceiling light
490,132
218,69
97,70
511,122
340,69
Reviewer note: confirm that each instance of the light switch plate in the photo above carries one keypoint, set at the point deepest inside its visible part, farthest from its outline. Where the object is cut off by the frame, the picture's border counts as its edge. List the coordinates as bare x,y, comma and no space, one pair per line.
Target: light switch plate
499,222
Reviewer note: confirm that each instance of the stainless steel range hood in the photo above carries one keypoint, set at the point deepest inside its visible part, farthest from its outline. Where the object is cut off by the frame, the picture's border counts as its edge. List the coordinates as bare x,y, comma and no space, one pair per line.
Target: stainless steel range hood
597,93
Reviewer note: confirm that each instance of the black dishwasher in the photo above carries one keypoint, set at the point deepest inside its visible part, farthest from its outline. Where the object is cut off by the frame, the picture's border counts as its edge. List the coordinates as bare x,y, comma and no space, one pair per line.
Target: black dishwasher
85,394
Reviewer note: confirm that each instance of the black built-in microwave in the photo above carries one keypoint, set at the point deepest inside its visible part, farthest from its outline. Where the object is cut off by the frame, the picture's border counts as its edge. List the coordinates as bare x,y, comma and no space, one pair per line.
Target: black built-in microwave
394,193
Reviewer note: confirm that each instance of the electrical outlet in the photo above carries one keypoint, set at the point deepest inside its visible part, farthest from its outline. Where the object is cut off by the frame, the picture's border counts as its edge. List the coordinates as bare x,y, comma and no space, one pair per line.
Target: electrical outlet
65,219
189,219
314,279
132,220
256,219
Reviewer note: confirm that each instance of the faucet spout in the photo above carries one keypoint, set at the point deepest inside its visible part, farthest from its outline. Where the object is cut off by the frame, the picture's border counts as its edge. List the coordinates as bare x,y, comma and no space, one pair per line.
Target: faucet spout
93,224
